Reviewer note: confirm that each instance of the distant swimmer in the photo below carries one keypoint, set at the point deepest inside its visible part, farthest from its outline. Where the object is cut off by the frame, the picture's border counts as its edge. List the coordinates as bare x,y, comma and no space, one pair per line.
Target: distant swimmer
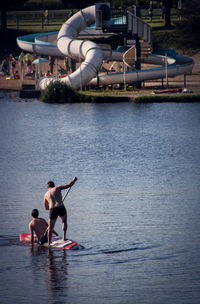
54,203
39,227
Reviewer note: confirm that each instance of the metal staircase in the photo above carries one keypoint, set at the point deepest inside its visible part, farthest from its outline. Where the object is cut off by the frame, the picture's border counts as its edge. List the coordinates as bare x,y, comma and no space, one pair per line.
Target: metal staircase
142,31
128,23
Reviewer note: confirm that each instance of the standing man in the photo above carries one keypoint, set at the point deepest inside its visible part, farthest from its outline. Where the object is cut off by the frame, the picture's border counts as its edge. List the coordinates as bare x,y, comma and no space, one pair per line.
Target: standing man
54,203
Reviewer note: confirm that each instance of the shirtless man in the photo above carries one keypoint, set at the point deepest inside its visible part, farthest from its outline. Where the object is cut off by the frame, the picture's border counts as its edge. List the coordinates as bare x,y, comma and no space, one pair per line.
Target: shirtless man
38,226
53,202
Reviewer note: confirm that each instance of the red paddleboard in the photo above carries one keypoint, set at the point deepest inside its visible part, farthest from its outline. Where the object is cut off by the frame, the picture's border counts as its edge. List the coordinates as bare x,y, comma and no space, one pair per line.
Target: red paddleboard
179,90
57,243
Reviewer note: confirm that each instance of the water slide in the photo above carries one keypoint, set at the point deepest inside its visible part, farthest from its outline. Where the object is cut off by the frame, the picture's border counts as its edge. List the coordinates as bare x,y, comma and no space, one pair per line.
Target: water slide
68,43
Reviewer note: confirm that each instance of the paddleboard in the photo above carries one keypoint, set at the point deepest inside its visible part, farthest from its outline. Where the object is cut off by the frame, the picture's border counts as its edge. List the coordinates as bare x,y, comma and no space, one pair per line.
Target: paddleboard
57,242
178,90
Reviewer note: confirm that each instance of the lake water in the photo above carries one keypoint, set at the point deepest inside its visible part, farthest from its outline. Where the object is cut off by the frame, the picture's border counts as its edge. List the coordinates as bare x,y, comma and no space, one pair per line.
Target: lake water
135,207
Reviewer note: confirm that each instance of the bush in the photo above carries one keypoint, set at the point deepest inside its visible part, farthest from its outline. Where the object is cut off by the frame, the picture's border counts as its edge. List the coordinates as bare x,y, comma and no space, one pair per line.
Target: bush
58,92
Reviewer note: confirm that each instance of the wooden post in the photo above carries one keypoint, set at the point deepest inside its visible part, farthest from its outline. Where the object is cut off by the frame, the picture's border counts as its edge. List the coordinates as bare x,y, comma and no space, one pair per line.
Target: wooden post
81,87
138,61
39,67
124,67
166,72
21,76
17,20
42,23
184,80
57,68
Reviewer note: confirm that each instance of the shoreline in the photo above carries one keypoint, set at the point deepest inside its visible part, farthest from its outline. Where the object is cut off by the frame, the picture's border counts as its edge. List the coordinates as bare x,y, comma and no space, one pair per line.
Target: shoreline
130,98
150,89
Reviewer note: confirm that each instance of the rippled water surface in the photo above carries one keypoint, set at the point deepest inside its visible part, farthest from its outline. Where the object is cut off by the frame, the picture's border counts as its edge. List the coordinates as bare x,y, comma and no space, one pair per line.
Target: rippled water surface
135,208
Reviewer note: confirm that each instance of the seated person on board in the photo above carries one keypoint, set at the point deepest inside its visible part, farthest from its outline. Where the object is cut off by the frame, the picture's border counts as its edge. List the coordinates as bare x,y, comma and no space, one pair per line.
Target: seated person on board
39,227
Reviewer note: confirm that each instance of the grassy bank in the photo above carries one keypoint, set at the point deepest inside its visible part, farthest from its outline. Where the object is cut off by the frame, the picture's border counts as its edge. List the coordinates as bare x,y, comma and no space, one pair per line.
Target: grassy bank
58,92
89,98
168,98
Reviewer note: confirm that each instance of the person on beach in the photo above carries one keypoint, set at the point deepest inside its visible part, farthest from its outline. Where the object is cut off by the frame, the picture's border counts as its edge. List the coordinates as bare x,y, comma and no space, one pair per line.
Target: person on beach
54,203
51,64
71,13
5,67
12,64
39,227
151,12
46,17
163,12
21,63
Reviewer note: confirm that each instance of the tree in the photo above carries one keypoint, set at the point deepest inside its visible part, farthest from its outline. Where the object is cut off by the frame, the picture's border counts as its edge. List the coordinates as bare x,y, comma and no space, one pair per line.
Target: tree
187,30
6,5
78,3
114,3
168,5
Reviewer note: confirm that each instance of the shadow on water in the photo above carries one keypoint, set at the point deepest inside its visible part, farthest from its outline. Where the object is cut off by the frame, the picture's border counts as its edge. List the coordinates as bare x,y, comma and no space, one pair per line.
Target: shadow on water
95,253
7,240
128,249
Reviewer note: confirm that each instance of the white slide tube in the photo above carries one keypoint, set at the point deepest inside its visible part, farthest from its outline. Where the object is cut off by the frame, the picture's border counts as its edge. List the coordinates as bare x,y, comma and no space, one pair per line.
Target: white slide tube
65,43
178,66
68,45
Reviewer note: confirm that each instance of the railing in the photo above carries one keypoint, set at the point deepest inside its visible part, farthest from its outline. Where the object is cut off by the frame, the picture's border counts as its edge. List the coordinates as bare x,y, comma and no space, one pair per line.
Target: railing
119,17
140,28
25,20
121,20
125,20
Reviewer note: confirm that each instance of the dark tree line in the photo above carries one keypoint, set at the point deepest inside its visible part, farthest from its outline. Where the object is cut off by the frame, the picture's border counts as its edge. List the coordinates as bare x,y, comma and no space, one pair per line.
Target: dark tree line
187,29
7,5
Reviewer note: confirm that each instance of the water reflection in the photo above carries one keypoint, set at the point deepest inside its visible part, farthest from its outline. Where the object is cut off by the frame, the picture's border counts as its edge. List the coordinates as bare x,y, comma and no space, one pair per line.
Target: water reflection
54,267
136,206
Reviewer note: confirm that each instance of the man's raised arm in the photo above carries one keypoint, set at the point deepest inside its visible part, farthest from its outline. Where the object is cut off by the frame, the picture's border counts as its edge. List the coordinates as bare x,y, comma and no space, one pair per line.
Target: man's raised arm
62,187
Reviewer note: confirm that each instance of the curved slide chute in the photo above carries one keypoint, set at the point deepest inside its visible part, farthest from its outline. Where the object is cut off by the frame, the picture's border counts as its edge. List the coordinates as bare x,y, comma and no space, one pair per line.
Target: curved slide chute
68,45
175,66
65,43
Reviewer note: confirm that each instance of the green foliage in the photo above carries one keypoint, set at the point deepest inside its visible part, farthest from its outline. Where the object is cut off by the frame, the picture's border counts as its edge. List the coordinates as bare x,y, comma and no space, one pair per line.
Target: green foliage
77,3
42,5
187,29
6,5
163,39
58,92
166,98
117,4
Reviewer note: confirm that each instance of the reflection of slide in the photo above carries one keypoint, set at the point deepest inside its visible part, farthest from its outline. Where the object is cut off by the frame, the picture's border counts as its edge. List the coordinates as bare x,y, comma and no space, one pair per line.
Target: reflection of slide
67,44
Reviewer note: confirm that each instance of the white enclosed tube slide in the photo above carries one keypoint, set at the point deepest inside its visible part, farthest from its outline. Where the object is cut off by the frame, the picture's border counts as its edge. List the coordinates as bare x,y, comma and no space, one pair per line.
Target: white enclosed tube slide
40,44
179,65
68,45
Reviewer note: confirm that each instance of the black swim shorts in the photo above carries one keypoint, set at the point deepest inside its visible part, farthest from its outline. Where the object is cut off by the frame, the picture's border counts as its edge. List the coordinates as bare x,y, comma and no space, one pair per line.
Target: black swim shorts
57,211
44,238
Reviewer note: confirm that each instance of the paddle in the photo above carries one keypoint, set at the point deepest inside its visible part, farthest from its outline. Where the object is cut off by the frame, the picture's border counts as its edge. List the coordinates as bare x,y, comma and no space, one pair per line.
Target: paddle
66,193
75,179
